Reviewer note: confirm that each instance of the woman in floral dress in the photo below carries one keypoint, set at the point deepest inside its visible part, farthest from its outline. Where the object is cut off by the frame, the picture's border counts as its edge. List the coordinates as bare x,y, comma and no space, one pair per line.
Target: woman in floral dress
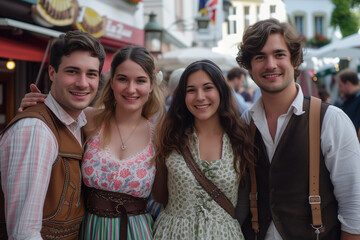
204,117
117,163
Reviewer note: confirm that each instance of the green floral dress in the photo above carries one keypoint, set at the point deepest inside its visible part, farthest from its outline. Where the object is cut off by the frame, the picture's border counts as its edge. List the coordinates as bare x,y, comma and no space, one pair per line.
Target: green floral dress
191,213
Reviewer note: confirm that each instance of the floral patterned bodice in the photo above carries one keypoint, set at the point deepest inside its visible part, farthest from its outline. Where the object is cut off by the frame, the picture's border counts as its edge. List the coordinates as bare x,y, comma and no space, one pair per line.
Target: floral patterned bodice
133,175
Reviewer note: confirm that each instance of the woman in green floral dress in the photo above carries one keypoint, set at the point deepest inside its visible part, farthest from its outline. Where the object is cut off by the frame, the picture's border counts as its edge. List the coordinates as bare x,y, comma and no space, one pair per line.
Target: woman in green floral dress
204,117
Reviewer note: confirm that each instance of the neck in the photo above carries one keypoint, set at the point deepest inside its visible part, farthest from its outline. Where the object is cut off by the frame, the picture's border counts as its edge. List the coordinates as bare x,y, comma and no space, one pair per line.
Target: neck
209,127
354,90
128,119
276,104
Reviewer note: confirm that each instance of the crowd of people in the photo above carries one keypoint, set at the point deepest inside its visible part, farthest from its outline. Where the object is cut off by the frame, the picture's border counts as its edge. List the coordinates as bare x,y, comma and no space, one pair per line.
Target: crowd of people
71,171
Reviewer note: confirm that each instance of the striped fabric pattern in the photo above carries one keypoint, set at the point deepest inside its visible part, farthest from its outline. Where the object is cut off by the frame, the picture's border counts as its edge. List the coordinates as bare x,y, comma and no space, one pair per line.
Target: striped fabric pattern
99,228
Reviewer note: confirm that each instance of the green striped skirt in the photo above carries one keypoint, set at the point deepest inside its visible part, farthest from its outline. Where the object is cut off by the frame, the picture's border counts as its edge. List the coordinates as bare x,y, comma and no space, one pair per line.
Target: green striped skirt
99,228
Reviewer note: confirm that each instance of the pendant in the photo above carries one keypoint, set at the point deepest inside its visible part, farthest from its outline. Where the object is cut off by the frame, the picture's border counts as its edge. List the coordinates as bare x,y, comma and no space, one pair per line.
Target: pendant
123,147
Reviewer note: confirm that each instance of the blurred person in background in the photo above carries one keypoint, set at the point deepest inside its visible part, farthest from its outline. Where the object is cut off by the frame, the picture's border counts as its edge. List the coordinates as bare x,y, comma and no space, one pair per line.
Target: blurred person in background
234,79
349,88
172,84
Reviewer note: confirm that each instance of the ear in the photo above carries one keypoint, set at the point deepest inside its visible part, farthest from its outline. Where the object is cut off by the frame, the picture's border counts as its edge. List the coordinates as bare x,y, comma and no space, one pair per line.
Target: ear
52,73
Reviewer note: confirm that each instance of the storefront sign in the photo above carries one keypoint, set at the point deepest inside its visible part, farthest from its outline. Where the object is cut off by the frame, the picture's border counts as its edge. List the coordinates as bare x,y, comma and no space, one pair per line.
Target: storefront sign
55,12
50,13
90,21
123,32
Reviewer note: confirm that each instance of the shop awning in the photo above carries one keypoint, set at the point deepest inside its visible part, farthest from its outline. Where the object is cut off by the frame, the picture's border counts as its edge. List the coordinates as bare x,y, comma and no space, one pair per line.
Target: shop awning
107,63
25,47
31,48
19,50
29,27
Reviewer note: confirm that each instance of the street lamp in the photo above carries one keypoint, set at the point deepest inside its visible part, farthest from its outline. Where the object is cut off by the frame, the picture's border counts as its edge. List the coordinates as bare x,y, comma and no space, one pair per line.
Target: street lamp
202,22
153,35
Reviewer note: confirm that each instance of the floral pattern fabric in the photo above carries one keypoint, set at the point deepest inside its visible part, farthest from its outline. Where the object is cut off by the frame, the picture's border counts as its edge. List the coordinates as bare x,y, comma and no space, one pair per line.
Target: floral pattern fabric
191,213
133,175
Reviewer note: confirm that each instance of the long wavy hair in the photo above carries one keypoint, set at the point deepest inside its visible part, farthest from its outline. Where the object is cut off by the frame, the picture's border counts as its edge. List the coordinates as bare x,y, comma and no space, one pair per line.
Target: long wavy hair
255,38
172,129
106,101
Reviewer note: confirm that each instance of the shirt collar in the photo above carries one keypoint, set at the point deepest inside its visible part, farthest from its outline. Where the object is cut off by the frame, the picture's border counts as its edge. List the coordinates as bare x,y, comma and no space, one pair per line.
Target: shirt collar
296,106
63,116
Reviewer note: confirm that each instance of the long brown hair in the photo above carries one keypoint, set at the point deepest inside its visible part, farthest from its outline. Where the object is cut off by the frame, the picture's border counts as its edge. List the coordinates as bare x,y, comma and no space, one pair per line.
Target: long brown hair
171,130
106,101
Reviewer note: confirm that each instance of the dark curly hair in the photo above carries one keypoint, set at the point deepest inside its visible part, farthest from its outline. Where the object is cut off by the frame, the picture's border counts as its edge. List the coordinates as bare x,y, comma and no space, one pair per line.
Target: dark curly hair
256,36
173,128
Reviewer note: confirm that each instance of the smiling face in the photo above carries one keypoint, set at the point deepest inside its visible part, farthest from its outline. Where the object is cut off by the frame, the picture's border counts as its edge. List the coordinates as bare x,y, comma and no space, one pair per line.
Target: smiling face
271,67
131,86
75,83
202,97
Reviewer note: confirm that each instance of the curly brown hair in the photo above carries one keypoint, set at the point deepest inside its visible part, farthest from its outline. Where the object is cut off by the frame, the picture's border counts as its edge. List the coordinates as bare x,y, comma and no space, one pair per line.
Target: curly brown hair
256,36
172,129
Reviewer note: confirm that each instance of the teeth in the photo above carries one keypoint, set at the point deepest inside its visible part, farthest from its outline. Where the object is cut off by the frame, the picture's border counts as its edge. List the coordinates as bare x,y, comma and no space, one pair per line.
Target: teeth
203,106
131,98
79,94
270,76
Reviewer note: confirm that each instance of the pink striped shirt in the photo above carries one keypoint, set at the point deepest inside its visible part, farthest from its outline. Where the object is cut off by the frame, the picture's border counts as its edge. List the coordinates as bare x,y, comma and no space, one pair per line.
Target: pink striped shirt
27,151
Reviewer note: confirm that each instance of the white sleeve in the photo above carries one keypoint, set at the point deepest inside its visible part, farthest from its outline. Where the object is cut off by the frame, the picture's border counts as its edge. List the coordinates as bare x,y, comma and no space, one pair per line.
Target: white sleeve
341,150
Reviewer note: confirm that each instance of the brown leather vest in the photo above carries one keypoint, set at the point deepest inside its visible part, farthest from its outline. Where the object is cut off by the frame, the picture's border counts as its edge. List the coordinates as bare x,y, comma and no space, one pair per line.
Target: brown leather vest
64,204
283,186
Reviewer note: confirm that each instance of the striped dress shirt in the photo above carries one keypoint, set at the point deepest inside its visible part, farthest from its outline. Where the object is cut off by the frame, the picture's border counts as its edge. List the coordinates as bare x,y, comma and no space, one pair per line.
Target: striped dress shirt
27,152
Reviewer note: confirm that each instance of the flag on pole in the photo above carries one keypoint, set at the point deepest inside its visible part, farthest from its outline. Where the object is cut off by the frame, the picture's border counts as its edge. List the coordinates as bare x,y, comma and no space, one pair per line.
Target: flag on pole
208,8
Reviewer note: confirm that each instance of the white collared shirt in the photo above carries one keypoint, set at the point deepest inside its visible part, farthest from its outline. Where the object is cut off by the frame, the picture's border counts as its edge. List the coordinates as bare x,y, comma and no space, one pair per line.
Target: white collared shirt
28,150
341,150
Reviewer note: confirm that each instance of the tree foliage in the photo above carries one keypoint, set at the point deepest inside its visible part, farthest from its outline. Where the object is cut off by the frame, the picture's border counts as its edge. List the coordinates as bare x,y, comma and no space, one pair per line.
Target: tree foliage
343,17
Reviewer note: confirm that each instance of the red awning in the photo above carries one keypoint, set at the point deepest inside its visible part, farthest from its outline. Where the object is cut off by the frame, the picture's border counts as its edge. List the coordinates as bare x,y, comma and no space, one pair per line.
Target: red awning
25,51
21,50
107,63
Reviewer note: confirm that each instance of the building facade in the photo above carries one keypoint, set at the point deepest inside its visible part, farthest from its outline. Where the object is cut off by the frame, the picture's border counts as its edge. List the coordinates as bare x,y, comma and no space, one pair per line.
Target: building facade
27,28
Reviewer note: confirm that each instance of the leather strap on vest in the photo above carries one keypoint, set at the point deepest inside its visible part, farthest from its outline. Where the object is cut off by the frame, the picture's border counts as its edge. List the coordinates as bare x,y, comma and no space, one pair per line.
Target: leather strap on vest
314,164
208,185
112,205
253,196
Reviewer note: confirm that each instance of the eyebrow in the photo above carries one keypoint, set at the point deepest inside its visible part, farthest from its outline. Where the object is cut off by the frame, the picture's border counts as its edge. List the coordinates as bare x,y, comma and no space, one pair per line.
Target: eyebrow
207,83
275,51
123,75
77,68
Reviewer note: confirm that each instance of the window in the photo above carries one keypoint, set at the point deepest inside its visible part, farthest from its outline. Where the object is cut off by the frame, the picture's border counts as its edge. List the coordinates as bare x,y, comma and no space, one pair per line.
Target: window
319,25
246,16
272,11
299,24
232,28
257,13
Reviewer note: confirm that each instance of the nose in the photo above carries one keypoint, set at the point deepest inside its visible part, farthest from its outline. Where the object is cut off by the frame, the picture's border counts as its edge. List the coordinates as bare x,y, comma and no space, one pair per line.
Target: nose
200,95
270,63
131,87
82,81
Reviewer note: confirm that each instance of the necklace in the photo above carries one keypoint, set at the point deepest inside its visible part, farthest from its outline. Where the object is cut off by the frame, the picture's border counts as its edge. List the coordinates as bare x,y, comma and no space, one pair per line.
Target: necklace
123,146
